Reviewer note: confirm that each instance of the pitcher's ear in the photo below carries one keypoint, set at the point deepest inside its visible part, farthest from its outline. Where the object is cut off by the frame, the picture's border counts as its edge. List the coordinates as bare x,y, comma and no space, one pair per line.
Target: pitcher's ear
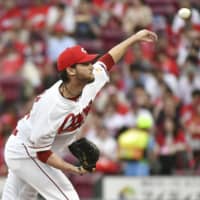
71,71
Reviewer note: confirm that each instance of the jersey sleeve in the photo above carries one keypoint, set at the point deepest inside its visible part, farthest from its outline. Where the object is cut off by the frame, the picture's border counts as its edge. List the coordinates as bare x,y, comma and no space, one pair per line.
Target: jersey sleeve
101,68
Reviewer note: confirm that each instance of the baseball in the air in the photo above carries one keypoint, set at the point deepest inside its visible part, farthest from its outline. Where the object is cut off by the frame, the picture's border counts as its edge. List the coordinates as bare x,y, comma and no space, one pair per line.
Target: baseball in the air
184,13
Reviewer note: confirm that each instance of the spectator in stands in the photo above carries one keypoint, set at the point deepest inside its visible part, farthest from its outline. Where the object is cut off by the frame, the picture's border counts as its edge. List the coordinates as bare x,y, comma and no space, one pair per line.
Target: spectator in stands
168,64
137,146
31,74
115,8
11,15
189,80
172,147
166,79
57,41
167,106
138,14
86,27
36,49
63,15
188,110
12,60
179,23
136,76
167,103
189,44
140,100
111,32
139,71
35,15
151,83
191,117
118,112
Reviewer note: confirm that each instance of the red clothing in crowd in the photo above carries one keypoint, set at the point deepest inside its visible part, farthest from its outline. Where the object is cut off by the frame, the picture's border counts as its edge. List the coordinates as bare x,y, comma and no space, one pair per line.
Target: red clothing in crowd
36,16
195,123
10,18
178,138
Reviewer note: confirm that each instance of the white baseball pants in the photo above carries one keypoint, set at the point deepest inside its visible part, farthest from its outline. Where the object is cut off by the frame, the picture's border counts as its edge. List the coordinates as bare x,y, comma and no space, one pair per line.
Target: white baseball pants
28,177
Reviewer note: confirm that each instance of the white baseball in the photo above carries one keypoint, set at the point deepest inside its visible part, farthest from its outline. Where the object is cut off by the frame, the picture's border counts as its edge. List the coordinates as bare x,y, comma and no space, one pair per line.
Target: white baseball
184,13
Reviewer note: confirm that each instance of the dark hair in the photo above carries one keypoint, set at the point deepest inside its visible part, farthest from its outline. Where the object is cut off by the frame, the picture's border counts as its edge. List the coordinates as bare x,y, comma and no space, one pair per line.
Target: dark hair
139,86
135,67
64,76
195,92
61,6
192,59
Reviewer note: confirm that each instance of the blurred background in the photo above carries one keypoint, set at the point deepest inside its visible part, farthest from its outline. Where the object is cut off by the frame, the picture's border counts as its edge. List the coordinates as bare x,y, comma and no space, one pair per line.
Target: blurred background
146,121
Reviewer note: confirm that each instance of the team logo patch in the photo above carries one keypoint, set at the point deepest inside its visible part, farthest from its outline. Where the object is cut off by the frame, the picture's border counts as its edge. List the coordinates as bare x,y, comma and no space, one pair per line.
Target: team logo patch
83,50
74,121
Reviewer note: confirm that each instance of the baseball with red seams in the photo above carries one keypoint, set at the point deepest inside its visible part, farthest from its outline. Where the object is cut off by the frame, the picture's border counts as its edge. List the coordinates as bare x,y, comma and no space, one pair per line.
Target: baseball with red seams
184,13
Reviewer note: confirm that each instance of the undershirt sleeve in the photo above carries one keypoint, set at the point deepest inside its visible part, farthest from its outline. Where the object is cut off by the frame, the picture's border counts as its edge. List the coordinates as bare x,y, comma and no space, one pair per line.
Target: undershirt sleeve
44,155
108,61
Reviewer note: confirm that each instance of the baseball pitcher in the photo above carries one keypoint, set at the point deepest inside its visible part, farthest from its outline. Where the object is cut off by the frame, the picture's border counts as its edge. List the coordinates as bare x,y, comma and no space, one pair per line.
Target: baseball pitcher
32,151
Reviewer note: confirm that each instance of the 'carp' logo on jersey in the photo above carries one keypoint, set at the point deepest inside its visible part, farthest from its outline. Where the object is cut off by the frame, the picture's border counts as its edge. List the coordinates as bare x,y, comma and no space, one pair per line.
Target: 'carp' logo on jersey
75,120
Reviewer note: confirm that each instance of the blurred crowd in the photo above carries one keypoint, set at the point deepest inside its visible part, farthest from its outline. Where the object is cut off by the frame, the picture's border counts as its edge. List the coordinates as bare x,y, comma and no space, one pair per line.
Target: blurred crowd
146,121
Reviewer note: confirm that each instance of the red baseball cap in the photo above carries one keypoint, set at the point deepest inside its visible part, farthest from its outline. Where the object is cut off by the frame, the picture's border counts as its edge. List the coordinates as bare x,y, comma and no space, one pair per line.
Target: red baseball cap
74,55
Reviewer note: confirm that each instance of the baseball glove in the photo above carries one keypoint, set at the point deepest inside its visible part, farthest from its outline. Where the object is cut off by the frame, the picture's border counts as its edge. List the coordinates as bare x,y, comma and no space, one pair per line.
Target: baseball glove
86,152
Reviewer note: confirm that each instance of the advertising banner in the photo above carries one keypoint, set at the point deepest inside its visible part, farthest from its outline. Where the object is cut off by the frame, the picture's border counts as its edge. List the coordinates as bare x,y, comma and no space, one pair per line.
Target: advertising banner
151,188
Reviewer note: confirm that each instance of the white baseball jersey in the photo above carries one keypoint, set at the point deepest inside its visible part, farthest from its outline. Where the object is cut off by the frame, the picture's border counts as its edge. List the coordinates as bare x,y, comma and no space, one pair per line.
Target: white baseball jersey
54,121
